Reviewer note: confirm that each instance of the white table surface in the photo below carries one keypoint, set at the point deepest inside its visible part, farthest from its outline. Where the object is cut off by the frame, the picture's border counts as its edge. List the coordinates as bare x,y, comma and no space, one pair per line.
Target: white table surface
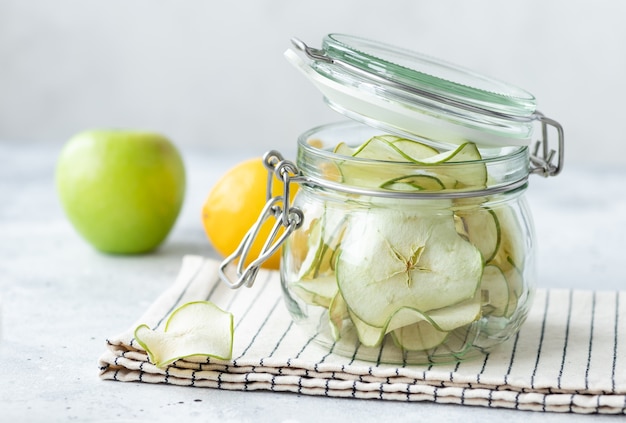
60,300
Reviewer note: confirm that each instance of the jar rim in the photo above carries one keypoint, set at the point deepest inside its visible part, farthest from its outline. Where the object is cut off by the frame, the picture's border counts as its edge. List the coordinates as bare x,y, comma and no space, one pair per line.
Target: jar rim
496,154
508,167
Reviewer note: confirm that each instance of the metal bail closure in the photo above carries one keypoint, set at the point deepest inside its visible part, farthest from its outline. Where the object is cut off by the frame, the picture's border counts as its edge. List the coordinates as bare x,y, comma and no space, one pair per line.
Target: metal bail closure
542,157
277,208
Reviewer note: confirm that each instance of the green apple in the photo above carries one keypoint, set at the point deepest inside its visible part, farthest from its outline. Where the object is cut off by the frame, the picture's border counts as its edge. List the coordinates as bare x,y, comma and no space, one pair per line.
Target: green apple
121,189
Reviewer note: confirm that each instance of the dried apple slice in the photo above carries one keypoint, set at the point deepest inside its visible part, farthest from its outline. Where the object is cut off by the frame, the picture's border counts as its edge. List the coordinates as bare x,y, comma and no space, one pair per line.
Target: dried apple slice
323,238
394,149
495,289
337,314
418,336
455,165
393,259
380,148
315,282
370,336
450,169
515,281
319,291
415,330
482,228
512,246
198,328
422,182
510,256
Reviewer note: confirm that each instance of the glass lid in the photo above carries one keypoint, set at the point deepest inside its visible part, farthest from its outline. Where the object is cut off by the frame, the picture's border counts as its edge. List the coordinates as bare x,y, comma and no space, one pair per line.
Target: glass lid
409,94
429,74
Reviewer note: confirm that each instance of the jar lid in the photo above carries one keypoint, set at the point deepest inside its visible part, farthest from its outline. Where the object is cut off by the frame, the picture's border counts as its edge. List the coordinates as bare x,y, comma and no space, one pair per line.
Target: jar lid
414,95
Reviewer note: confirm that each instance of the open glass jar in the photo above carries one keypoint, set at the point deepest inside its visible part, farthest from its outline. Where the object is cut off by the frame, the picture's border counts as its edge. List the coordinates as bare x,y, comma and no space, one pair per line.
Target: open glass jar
410,239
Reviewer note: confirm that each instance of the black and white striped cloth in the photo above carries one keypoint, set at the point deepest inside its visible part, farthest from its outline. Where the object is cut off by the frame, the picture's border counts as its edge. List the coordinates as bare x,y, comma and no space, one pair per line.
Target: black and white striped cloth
570,355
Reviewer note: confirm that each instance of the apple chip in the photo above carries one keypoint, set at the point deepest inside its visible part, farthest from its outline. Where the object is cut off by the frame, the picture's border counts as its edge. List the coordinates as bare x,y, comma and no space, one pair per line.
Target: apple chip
198,328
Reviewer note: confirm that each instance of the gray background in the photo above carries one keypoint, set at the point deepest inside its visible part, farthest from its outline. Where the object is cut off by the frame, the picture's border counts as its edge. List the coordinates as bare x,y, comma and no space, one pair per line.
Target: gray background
212,74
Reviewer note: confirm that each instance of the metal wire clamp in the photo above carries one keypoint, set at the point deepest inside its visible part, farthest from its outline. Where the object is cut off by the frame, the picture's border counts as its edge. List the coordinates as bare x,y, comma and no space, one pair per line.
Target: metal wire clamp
278,208
543,156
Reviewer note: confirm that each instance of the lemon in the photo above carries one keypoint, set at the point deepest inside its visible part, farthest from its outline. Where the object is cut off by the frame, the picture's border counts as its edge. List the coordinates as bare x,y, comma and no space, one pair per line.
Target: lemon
234,205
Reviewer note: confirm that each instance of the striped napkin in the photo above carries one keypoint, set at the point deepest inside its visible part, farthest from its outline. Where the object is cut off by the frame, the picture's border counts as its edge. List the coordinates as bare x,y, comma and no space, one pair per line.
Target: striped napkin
570,355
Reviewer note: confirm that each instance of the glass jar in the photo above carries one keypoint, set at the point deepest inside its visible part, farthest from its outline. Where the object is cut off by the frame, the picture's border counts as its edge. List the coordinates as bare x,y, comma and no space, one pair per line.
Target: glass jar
410,240
395,262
